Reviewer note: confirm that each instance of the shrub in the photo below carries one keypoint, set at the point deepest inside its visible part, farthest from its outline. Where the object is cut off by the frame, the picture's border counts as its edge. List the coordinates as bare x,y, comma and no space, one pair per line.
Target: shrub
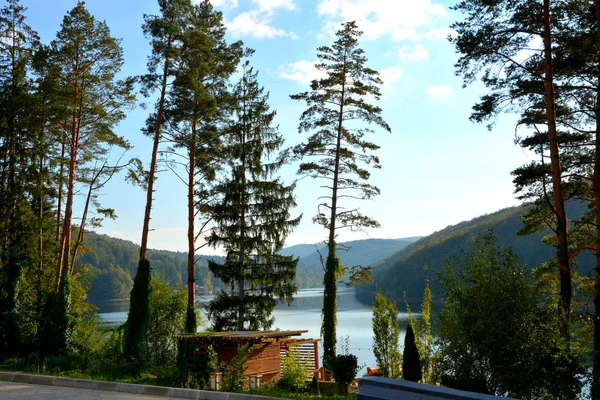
293,375
345,367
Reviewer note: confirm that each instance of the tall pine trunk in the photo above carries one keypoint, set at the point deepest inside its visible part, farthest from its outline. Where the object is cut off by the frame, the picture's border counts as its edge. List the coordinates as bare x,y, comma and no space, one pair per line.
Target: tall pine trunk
332,265
152,172
190,323
562,252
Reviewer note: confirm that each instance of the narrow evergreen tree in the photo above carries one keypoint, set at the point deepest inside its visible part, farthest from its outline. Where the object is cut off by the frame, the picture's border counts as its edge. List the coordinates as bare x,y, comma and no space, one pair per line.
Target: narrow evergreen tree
336,106
411,362
136,327
252,218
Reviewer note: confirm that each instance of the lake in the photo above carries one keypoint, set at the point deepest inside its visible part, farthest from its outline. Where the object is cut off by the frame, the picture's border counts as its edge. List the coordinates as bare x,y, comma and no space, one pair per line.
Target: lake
354,320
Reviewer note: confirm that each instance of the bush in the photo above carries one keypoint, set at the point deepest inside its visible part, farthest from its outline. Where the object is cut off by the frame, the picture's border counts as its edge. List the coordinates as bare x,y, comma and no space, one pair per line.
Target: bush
345,367
497,335
293,374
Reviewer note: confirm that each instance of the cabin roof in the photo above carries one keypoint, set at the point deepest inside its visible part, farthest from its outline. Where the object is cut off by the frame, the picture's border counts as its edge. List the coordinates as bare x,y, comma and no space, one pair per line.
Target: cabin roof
239,336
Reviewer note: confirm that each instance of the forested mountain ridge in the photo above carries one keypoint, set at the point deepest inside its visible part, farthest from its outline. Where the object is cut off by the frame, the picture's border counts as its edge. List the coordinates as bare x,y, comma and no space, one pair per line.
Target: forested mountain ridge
404,272
113,262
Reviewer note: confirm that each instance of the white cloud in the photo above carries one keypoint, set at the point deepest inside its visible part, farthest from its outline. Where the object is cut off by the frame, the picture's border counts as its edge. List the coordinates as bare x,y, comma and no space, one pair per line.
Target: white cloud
401,19
390,75
416,53
440,33
272,5
439,92
224,3
300,71
257,25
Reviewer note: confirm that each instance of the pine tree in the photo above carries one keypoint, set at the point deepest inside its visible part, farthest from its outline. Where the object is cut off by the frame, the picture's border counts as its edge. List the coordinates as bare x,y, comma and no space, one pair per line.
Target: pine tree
491,38
411,362
252,218
193,111
336,106
88,102
164,33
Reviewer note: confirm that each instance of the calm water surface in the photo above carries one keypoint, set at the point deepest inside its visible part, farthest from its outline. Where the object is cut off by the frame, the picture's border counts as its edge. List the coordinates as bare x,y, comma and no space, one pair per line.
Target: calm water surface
354,319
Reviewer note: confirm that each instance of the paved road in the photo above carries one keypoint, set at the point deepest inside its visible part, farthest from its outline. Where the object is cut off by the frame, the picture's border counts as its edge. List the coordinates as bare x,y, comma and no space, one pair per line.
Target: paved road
20,391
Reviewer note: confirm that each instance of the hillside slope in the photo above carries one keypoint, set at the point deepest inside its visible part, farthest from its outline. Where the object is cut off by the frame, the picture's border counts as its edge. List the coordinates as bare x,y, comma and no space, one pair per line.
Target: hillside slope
114,261
403,272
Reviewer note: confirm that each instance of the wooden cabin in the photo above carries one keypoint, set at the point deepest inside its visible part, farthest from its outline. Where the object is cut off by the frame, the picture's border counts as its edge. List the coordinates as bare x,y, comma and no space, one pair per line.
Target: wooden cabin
264,362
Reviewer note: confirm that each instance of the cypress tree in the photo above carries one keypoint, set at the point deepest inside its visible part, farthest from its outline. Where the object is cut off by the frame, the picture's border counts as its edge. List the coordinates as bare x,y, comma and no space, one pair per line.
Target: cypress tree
136,327
411,362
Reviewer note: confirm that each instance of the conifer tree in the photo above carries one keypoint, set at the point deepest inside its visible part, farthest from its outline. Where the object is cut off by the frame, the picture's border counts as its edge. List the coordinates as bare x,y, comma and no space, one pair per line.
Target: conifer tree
499,42
411,362
17,237
88,102
164,32
337,151
252,218
193,111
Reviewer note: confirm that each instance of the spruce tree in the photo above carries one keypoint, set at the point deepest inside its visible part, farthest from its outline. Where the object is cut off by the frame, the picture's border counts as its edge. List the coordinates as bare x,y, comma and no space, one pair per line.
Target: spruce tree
337,109
252,218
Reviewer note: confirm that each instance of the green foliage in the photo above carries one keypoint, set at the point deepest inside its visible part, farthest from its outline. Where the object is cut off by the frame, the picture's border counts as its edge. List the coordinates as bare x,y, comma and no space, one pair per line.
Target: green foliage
345,368
252,217
494,331
136,327
333,269
191,319
58,330
293,373
233,372
403,272
168,309
386,336
411,361
111,283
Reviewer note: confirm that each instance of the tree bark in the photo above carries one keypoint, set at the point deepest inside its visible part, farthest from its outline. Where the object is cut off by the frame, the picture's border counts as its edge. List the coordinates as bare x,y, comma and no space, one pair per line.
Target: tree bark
559,204
152,172
191,280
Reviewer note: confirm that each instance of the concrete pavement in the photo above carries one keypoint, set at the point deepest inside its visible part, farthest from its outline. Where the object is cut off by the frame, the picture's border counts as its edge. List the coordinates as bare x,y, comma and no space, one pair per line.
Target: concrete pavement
16,385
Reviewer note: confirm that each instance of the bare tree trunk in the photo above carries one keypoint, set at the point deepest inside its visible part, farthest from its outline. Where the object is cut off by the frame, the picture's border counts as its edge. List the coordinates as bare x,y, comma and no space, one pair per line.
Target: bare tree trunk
152,172
562,252
191,280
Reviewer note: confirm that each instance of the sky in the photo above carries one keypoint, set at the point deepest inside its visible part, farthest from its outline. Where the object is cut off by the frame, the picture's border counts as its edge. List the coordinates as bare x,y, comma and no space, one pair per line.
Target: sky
438,168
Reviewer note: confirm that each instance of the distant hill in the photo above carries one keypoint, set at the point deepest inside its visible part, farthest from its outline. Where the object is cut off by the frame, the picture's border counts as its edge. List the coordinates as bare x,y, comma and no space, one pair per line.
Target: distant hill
113,262
403,271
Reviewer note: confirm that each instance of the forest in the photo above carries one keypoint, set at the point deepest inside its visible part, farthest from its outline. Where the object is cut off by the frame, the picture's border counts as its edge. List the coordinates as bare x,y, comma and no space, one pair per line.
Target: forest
511,322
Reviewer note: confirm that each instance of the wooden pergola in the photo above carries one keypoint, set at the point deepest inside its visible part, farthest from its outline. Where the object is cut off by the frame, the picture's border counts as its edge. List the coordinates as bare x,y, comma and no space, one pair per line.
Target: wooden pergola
264,361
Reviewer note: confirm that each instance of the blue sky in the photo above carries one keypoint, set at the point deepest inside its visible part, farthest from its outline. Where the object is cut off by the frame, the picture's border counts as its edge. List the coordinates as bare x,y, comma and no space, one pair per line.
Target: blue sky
438,168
